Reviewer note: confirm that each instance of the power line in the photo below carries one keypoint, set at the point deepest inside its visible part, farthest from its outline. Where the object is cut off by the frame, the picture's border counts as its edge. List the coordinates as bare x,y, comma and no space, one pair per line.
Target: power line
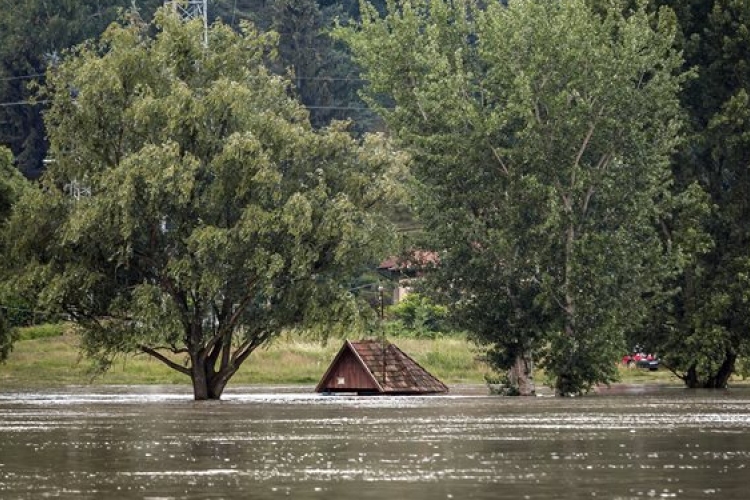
22,103
21,77
339,108
343,108
305,78
330,79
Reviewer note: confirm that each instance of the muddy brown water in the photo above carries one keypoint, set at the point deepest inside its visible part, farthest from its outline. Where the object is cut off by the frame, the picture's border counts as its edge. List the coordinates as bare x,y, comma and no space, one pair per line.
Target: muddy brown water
155,443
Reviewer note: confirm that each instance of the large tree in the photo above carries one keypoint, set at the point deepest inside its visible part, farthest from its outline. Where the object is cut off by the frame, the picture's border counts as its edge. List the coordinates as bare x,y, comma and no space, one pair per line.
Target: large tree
704,329
192,213
541,133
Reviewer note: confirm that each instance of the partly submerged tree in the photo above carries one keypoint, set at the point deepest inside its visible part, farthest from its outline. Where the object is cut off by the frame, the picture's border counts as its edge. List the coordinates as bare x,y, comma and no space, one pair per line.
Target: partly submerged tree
191,212
704,329
541,133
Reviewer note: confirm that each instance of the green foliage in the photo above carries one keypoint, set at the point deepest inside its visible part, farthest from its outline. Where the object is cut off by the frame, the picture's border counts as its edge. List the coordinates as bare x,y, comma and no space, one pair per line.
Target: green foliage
417,316
33,35
704,327
12,185
17,311
192,207
7,337
324,78
541,133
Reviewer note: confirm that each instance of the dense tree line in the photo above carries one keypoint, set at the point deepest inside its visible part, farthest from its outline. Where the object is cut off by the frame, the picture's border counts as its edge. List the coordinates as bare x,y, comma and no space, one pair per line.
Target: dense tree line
34,35
582,166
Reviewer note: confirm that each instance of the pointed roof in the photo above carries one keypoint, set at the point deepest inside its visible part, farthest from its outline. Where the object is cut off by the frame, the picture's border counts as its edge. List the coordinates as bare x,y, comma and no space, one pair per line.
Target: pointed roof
390,369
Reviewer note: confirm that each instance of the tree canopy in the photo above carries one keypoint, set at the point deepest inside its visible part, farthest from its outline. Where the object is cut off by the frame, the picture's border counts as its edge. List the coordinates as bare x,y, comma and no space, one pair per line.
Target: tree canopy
541,133
705,328
191,210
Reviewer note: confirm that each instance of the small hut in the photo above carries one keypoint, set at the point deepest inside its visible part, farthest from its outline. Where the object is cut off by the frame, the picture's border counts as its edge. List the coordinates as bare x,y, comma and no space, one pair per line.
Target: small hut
375,367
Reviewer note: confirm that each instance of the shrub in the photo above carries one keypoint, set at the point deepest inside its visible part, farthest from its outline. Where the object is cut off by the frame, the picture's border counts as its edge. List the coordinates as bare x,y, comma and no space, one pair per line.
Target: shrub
417,316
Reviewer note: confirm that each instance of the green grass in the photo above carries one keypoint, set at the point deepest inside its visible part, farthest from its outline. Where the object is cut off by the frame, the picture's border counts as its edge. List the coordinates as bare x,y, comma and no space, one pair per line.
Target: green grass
48,356
54,360
42,331
640,376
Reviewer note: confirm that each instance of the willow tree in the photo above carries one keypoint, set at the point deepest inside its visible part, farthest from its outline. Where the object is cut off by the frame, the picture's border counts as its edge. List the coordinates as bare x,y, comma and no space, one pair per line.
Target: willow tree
191,212
541,133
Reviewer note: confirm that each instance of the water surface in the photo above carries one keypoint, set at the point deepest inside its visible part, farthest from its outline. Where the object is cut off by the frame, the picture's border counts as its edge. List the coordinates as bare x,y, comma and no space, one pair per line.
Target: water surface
155,443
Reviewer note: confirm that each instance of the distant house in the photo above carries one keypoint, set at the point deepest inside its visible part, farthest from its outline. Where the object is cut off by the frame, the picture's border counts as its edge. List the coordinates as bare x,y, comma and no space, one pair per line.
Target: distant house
404,269
374,367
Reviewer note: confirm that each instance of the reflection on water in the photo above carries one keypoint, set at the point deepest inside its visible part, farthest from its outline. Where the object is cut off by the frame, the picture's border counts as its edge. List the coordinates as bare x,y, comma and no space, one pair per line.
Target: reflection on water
155,443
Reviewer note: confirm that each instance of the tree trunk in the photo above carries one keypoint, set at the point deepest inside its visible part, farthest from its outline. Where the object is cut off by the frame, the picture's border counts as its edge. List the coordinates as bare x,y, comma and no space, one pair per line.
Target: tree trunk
721,379
718,380
521,376
206,385
691,378
564,385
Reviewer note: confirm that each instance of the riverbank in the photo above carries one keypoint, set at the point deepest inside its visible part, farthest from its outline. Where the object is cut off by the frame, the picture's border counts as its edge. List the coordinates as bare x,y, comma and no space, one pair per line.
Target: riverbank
56,361
52,359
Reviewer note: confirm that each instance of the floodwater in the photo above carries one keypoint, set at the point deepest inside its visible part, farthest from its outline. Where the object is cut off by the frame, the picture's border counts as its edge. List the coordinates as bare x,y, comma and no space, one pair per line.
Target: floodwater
155,443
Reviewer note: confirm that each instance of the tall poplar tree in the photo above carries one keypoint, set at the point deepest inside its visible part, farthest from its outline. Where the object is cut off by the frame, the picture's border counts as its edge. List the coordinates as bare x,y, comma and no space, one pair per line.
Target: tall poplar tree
703,331
541,133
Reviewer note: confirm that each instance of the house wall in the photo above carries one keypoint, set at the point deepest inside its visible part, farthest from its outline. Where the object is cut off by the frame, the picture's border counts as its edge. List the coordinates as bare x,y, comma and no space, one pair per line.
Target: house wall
348,376
402,289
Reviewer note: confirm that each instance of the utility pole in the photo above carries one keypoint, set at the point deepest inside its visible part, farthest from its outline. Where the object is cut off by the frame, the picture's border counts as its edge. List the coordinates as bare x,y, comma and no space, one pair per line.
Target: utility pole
192,9
383,345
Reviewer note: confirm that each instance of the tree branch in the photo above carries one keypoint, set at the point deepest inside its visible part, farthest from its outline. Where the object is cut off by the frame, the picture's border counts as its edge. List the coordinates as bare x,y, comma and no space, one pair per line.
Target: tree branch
586,200
239,357
247,347
667,234
424,115
171,348
581,151
500,160
156,354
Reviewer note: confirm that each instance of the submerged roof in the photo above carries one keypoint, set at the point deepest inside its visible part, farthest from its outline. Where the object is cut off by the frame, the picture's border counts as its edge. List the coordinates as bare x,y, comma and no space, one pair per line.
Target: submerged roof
387,368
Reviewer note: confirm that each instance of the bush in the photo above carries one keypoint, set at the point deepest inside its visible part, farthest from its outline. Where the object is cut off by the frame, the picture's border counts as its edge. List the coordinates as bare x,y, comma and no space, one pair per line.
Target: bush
42,331
417,316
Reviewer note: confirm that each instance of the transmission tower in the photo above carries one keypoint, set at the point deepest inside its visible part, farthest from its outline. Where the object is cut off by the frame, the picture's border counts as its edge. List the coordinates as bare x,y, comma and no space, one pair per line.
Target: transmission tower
192,9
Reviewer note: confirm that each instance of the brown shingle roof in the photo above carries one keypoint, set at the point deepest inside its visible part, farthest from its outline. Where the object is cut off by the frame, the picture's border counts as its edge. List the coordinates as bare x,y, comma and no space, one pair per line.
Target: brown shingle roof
402,374
416,259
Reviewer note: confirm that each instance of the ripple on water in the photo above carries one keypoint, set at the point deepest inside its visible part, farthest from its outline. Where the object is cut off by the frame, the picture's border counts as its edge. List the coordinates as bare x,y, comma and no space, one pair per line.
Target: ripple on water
76,444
